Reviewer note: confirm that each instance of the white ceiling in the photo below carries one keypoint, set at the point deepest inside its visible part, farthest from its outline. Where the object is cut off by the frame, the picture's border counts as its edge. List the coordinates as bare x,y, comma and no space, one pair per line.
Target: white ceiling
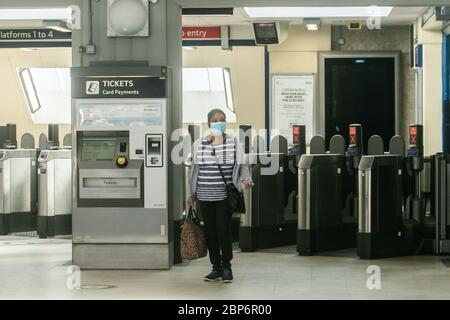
398,16
309,3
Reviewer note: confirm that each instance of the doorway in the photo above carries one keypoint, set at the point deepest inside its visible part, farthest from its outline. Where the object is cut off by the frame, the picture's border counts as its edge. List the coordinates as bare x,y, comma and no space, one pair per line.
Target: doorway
360,88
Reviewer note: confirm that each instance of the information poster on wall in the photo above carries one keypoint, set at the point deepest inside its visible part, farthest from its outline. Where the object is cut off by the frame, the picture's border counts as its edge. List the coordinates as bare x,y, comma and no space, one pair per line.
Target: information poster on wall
293,102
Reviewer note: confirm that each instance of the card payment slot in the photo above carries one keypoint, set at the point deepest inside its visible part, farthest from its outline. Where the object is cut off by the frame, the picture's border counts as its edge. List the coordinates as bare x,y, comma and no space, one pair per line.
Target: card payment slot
154,150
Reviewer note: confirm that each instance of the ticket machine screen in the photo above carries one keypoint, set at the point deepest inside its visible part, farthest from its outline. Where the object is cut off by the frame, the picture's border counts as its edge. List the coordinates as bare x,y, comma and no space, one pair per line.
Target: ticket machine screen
98,150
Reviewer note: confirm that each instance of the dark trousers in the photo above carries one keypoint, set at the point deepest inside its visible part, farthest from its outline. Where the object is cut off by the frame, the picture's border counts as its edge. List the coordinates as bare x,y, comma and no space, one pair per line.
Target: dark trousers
218,232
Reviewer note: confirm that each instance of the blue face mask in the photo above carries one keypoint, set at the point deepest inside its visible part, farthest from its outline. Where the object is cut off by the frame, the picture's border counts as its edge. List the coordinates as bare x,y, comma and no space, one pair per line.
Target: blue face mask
218,128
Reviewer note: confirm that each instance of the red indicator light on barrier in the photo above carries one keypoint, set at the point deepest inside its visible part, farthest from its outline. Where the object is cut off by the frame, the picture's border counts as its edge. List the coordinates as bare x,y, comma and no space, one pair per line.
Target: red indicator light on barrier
413,135
352,135
296,133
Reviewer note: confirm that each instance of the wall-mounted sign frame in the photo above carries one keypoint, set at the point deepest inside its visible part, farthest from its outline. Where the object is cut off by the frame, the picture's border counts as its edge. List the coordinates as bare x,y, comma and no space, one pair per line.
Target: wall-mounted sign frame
293,99
37,37
202,32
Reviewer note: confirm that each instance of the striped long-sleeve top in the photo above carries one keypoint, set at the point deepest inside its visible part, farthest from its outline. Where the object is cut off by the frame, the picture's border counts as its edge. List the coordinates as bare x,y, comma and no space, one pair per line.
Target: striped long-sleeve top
210,184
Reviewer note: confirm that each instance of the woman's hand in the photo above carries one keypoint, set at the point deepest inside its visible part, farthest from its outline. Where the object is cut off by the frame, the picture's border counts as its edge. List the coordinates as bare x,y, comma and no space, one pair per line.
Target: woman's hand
248,183
189,201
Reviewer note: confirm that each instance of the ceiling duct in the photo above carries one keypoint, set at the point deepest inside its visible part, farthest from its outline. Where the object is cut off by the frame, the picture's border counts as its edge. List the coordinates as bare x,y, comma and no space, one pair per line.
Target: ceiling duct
207,11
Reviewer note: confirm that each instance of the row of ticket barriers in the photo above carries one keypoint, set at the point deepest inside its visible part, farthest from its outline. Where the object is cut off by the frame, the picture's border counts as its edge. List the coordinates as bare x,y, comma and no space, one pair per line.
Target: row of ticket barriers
35,184
383,201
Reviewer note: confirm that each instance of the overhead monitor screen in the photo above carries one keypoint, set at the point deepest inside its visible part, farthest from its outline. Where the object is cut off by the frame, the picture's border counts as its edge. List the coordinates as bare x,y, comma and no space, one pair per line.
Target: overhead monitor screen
266,32
98,150
360,90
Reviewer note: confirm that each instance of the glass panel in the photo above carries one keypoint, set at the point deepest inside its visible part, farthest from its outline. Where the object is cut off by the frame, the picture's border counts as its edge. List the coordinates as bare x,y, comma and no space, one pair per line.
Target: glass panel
30,91
47,92
205,89
216,79
195,79
228,89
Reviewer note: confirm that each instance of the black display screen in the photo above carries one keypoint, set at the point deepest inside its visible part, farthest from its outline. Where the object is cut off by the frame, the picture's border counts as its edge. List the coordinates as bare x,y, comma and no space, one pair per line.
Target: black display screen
360,90
266,32
98,150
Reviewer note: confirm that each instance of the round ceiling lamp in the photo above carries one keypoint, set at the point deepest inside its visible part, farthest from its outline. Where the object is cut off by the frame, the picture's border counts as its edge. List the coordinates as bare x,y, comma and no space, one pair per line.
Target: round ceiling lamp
128,18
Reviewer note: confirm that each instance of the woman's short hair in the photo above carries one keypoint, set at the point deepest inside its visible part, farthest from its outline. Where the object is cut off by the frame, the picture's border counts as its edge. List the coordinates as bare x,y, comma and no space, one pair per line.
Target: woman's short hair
213,112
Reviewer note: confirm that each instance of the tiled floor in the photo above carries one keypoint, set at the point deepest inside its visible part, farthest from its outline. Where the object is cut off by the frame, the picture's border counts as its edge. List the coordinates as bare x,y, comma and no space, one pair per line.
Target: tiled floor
31,268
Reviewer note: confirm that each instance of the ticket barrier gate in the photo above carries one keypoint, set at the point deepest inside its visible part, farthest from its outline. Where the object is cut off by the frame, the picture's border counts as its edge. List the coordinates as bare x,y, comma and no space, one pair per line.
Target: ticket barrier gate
384,228
328,192
55,193
435,182
294,154
18,186
268,221
325,220
18,190
428,176
441,203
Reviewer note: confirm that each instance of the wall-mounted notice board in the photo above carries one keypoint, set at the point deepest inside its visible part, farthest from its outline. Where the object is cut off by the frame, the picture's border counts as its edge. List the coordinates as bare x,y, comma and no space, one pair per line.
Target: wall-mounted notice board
293,101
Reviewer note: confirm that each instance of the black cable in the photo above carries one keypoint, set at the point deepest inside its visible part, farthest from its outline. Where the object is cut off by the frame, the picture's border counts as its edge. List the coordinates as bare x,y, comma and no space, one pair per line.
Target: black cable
90,21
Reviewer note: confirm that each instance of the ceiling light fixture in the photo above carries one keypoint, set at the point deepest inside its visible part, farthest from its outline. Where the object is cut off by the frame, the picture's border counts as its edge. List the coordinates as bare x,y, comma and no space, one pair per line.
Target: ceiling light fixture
312,24
60,28
217,12
56,25
127,18
36,14
313,12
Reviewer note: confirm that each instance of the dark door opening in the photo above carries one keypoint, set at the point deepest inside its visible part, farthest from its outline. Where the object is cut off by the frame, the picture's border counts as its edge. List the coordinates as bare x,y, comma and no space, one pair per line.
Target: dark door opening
360,90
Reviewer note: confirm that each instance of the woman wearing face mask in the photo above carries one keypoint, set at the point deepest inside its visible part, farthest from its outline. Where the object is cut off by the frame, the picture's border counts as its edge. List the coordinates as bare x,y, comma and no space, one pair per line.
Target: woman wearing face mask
215,153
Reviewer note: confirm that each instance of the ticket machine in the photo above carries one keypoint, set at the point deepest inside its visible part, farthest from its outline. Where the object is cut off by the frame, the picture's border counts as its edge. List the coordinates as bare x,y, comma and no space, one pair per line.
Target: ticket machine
121,217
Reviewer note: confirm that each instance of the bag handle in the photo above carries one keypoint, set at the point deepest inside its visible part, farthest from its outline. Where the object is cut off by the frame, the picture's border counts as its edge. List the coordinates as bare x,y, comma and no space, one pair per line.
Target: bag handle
225,151
192,215
221,174
219,166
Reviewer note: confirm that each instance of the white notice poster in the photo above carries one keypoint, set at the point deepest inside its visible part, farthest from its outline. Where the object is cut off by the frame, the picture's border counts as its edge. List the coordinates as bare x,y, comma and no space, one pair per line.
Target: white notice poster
293,101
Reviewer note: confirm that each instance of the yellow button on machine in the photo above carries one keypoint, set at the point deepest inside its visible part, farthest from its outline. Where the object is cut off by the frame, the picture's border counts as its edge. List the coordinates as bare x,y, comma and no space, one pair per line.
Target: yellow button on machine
121,161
